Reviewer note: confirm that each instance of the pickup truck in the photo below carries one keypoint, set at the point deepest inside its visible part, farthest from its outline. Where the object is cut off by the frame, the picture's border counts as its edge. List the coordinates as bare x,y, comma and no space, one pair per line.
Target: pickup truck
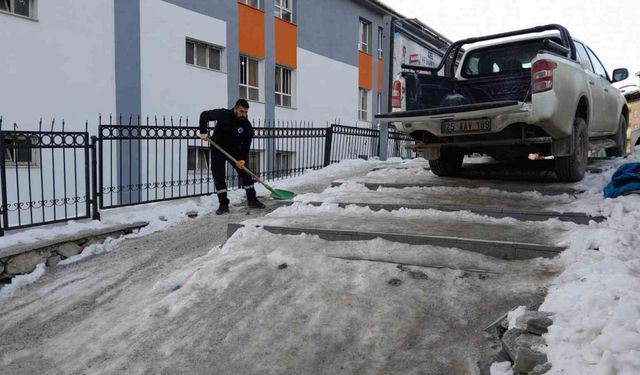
509,95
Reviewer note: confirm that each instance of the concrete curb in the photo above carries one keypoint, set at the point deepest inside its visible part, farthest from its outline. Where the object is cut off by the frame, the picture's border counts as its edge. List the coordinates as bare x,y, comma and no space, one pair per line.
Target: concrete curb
523,215
87,233
514,189
499,249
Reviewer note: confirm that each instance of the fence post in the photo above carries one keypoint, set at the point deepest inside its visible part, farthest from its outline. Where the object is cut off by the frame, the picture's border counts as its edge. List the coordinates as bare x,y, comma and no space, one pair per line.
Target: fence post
3,176
94,179
327,145
383,145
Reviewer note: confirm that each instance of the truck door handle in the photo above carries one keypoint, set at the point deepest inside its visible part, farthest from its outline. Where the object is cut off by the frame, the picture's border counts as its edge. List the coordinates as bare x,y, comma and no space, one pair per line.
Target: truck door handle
591,82
606,90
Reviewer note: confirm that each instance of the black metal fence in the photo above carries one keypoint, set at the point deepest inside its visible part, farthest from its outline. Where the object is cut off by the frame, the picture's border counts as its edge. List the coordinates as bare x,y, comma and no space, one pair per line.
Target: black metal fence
45,177
48,177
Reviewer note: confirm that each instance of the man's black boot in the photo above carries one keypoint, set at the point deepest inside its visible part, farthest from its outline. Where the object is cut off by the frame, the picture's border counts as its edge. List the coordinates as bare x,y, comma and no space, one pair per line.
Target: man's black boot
252,198
223,208
256,204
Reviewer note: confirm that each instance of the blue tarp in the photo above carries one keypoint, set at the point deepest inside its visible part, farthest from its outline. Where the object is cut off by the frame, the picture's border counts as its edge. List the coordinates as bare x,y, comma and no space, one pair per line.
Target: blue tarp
624,181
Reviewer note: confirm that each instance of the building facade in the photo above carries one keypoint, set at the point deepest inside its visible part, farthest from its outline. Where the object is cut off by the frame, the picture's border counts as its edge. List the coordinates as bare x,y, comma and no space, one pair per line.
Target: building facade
65,63
326,61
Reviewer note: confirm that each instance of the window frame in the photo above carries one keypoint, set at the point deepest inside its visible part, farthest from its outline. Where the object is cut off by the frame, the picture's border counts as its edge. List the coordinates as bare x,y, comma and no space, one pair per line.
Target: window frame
597,62
283,93
246,2
244,71
284,157
363,113
380,38
32,4
364,29
580,46
12,156
208,47
202,159
280,10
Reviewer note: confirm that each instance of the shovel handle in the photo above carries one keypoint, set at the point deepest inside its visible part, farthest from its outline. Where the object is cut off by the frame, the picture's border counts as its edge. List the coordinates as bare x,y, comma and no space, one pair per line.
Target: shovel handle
234,160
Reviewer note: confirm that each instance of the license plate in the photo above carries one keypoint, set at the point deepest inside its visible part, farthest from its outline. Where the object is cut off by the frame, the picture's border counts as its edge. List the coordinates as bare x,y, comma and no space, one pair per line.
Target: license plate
466,126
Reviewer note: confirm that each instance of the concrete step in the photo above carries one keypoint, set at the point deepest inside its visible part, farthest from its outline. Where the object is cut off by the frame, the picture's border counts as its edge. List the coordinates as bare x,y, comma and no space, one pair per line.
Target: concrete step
376,182
508,250
505,240
519,214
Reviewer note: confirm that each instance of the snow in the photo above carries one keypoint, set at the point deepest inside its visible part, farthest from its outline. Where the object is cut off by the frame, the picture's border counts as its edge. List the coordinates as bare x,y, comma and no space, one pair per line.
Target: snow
173,211
514,314
595,299
501,368
22,280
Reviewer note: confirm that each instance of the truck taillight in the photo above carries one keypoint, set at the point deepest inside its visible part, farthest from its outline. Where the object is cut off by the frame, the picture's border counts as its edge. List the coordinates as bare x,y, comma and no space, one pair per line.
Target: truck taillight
542,75
396,95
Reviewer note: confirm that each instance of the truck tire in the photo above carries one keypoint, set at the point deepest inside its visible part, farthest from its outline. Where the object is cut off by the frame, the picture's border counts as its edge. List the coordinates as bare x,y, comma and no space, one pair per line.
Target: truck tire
571,168
620,149
449,164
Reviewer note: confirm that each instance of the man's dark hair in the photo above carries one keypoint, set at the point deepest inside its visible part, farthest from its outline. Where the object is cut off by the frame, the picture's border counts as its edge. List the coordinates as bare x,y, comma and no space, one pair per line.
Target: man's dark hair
242,103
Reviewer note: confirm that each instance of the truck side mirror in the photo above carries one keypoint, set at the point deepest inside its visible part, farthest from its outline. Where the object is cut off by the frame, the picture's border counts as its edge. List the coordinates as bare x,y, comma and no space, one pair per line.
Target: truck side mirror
620,75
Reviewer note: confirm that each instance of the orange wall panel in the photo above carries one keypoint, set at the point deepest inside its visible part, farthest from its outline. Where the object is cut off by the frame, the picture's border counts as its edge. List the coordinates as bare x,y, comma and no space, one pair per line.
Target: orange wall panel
286,43
365,70
379,75
251,31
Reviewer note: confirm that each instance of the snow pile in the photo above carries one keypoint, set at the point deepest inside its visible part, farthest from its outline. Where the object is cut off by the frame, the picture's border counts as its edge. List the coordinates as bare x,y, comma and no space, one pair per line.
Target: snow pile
174,213
501,368
22,280
596,300
514,314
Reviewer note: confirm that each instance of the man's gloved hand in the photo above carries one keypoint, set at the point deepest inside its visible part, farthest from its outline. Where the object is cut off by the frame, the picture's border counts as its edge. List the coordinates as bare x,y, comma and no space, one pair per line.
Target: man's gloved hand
240,164
204,137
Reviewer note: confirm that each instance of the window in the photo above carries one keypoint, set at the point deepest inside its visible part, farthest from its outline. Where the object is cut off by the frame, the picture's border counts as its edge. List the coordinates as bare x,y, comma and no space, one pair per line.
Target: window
363,105
510,58
254,161
583,56
19,150
251,3
284,163
283,87
283,10
365,36
198,159
597,65
203,55
380,33
379,102
20,7
249,83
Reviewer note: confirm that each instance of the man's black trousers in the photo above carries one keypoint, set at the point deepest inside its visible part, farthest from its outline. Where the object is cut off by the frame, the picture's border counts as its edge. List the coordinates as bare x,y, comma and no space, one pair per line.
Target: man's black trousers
219,169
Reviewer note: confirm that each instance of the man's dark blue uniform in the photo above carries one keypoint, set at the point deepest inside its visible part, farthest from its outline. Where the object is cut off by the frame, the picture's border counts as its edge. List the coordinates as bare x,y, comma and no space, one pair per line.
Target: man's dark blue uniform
234,133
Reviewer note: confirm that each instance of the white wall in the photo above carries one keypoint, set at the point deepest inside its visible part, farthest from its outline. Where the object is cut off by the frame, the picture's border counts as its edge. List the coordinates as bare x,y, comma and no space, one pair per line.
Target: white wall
61,65
326,90
170,86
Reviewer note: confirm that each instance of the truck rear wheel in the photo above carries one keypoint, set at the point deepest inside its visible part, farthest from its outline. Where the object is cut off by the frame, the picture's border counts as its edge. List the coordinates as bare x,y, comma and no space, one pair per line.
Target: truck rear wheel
571,168
620,149
449,164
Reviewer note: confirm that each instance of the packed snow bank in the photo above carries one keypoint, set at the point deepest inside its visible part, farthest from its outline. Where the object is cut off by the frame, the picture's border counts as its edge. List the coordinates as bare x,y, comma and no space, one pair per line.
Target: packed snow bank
596,300
173,213
291,304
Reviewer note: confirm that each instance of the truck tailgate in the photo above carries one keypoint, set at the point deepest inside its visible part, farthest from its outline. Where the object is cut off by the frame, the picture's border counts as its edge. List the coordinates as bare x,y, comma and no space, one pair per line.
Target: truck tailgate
466,111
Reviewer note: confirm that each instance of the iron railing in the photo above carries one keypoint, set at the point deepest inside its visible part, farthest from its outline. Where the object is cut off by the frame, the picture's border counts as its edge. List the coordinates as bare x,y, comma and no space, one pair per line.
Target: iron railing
45,177
50,176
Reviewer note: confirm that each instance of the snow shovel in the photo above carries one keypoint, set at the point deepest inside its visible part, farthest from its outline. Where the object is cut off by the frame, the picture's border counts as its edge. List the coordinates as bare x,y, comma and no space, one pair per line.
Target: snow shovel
279,194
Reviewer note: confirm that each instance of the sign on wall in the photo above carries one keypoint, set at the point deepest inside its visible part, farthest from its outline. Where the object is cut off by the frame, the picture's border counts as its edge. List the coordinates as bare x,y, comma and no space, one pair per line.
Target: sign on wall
406,51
